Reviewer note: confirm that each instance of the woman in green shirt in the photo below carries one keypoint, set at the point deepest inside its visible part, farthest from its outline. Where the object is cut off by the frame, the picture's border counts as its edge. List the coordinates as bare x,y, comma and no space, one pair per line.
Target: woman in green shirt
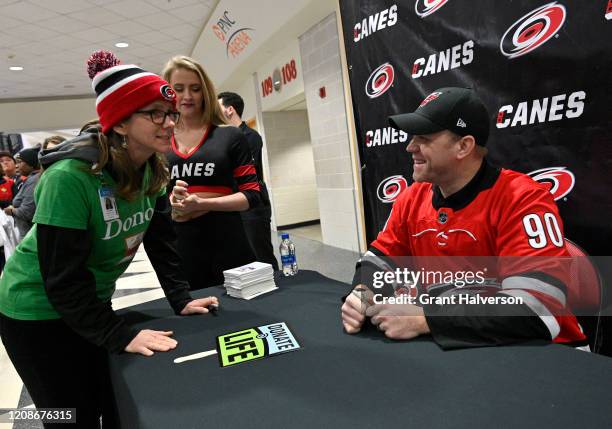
100,196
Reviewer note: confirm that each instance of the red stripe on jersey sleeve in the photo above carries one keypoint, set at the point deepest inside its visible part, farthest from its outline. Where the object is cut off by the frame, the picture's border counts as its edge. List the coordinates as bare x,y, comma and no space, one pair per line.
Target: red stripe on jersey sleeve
251,186
244,170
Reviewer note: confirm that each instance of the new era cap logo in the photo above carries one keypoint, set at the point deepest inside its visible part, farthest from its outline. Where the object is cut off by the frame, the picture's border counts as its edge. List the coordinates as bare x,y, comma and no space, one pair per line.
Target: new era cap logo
430,97
461,124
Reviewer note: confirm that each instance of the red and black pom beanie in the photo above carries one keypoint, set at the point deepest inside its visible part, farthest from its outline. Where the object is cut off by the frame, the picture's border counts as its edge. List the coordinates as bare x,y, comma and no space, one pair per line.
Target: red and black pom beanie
121,89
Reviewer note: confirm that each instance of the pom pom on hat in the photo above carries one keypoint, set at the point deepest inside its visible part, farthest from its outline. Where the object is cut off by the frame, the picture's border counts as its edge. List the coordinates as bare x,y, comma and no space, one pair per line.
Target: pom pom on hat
100,61
121,89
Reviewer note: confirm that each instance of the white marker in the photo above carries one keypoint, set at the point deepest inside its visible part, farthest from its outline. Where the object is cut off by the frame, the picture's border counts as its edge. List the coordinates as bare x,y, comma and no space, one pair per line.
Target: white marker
195,356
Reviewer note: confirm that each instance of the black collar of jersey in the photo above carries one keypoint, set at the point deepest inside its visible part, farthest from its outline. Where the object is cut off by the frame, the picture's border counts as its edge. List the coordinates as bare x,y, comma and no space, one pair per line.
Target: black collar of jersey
485,178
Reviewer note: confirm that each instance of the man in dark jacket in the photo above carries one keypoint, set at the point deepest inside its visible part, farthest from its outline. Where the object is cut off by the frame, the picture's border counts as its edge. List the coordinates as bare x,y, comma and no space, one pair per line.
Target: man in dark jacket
257,220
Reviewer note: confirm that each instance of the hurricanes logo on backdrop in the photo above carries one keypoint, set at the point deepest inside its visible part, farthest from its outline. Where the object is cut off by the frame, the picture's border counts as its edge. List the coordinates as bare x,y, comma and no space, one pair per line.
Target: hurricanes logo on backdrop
373,23
559,180
167,92
532,30
380,81
425,8
389,189
547,109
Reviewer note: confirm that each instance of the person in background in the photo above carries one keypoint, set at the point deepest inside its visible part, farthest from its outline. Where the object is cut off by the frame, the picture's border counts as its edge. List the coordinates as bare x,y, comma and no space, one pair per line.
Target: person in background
461,208
256,220
7,191
23,207
56,318
212,171
8,188
9,166
51,142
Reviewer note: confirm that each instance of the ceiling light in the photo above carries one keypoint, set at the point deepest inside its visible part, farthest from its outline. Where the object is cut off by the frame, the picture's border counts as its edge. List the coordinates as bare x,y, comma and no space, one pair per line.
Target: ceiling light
122,44
15,68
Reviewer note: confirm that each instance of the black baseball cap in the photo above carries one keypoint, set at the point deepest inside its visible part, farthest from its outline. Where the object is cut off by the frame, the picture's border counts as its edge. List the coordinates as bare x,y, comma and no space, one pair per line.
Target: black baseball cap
455,109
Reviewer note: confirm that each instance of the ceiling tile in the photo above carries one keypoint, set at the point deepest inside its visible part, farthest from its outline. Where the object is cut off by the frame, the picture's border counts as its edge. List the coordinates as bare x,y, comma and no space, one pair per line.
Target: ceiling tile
54,38
144,51
35,48
194,13
182,30
66,42
152,37
132,9
95,35
7,22
62,6
96,16
63,24
172,4
175,47
8,41
159,20
26,12
126,28
33,32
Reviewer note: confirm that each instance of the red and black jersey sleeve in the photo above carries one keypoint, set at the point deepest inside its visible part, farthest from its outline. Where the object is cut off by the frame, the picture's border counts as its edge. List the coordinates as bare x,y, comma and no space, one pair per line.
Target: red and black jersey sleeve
391,245
394,239
244,171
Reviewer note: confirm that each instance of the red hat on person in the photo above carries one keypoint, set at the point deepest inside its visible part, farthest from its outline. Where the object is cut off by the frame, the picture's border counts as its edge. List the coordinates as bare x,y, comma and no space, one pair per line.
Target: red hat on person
121,89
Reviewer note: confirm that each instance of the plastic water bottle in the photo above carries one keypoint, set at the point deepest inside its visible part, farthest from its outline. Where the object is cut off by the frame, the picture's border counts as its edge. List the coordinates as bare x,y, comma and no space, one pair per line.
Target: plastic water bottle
288,260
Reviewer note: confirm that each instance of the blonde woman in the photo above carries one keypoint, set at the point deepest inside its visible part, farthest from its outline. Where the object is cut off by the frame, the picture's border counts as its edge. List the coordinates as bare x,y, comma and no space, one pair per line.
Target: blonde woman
101,195
213,177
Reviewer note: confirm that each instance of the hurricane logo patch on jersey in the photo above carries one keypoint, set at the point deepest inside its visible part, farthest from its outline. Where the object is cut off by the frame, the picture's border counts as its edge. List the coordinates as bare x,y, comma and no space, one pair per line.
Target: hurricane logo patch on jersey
532,30
380,80
167,92
389,189
559,180
425,8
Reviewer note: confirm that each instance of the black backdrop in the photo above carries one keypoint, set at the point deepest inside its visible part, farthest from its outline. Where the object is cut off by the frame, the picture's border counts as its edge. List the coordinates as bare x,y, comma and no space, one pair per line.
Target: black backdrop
542,68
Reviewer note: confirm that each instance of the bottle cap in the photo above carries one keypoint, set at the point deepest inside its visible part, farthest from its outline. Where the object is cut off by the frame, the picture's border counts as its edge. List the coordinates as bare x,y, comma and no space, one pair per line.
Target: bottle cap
283,236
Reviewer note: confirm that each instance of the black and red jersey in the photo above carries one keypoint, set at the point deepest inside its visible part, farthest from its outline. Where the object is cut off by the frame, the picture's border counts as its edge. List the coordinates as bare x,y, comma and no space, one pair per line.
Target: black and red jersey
216,241
503,219
220,163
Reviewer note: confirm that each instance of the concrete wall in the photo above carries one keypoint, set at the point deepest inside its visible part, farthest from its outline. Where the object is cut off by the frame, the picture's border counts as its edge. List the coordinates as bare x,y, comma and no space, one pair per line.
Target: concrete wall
321,67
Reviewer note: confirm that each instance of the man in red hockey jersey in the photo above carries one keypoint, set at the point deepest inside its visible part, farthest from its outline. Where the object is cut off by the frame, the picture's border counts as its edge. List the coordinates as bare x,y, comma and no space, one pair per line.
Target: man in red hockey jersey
460,210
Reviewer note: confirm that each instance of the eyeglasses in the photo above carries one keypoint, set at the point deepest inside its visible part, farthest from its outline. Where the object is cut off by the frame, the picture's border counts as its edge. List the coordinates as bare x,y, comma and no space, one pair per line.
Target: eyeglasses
159,116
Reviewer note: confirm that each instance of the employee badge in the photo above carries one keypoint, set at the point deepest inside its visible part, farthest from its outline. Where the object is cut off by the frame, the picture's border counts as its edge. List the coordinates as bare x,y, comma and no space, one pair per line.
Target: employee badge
108,204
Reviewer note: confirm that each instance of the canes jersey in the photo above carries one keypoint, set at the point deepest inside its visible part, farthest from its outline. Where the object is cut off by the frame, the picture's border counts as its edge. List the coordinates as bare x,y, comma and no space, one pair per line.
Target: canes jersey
500,213
220,163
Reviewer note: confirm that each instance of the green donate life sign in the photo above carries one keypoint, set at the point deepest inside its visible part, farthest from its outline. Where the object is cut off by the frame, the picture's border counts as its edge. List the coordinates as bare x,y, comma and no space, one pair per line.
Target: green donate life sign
255,343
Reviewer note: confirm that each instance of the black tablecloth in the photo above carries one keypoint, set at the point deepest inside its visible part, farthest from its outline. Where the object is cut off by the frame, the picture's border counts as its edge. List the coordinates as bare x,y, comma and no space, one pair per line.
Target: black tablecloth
348,381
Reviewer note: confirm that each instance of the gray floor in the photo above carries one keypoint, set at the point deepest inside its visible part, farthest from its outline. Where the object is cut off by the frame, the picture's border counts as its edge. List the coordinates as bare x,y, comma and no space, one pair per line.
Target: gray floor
333,262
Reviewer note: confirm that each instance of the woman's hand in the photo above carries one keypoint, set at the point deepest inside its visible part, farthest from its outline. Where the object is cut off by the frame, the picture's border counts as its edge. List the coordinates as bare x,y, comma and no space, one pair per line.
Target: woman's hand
179,191
198,306
147,341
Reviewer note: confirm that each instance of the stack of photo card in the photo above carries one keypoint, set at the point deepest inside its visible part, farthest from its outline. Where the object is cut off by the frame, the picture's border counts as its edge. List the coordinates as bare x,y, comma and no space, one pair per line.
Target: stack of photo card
250,280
